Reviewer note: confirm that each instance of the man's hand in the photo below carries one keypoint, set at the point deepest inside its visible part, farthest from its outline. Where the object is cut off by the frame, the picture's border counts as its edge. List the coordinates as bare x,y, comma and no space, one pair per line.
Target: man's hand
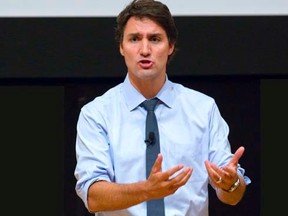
161,184
225,176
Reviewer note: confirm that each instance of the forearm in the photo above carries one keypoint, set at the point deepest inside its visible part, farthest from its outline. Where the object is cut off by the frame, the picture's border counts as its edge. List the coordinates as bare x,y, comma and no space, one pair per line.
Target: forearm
108,196
232,198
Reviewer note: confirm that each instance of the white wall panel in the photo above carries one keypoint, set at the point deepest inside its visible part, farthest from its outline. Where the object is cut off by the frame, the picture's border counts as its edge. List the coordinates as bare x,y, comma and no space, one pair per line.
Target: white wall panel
108,8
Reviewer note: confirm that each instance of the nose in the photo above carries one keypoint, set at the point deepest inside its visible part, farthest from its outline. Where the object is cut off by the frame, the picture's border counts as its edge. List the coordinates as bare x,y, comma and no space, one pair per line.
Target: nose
145,48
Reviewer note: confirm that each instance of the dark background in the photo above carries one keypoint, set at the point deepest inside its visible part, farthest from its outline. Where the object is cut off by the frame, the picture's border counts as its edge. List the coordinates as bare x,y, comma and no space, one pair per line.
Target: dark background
50,67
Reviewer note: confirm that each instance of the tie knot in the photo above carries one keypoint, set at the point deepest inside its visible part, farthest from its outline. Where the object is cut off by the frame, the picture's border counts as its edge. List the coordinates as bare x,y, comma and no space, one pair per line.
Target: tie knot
149,105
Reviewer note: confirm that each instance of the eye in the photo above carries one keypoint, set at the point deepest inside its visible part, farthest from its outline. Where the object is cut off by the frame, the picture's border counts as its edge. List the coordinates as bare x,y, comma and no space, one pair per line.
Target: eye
155,39
134,39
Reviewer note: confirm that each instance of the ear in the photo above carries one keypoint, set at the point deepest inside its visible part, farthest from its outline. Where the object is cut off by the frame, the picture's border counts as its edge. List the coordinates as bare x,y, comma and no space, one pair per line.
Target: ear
121,50
171,48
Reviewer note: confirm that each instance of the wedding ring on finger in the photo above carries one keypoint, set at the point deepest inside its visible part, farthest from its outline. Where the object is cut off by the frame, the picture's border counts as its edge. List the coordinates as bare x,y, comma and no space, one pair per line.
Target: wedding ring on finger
219,180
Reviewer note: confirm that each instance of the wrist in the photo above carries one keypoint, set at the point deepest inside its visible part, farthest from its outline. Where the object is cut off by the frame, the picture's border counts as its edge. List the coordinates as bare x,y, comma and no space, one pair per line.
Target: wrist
234,186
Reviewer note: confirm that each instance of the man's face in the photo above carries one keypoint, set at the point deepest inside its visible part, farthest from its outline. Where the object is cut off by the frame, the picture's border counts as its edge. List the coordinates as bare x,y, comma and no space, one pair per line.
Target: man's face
145,48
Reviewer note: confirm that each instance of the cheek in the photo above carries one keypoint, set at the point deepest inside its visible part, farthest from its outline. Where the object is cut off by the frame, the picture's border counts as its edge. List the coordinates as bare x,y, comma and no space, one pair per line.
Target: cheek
165,50
164,53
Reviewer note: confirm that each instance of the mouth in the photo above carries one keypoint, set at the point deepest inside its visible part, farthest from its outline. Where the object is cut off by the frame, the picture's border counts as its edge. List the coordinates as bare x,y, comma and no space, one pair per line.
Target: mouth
145,64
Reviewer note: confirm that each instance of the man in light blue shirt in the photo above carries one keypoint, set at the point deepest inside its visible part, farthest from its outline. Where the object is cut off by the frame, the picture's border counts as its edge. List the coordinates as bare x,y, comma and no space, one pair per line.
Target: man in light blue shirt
194,146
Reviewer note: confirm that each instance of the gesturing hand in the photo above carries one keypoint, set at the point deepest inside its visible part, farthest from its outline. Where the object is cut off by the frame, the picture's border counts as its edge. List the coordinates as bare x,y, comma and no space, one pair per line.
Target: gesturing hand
225,176
161,184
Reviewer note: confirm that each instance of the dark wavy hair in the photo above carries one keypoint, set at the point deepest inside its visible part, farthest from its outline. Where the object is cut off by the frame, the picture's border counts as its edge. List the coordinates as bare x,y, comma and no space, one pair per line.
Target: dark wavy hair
154,10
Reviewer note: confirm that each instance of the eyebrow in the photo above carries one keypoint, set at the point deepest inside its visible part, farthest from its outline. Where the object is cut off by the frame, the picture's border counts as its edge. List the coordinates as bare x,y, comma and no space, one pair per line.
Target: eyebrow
149,35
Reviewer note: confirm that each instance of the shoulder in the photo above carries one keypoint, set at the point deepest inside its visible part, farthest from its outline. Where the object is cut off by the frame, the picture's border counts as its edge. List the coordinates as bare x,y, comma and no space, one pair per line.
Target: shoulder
104,102
192,95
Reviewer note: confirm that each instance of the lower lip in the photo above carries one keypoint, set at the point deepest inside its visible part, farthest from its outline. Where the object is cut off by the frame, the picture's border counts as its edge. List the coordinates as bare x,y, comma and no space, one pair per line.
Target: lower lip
145,65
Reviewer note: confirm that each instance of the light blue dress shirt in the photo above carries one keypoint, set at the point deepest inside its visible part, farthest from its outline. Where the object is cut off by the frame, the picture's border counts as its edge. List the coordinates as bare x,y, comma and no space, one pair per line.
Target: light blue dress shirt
110,143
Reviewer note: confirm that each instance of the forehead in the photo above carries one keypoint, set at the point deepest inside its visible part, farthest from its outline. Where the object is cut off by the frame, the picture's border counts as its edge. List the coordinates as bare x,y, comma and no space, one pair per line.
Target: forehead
142,26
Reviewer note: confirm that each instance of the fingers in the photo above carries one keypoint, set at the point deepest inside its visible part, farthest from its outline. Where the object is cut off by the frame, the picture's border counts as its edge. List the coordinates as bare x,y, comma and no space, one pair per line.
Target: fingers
221,177
179,180
165,183
157,167
214,172
237,155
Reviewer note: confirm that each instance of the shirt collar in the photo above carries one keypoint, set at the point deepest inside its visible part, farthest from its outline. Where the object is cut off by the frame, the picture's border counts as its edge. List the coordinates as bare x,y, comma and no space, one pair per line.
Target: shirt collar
134,98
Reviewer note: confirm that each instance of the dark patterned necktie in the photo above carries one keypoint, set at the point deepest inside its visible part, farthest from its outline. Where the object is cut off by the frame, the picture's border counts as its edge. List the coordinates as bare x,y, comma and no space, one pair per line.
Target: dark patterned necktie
154,207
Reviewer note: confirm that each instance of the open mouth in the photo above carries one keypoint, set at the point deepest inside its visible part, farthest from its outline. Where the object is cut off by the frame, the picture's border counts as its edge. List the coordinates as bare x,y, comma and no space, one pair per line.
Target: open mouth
145,63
